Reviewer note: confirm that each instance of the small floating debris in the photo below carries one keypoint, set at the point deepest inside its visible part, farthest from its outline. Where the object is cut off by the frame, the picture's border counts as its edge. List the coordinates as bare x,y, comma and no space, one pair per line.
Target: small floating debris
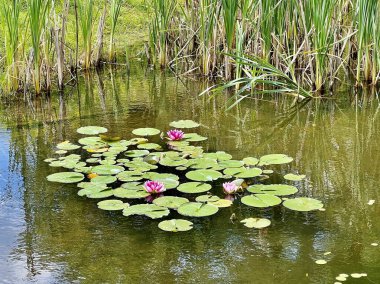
374,244
320,261
371,202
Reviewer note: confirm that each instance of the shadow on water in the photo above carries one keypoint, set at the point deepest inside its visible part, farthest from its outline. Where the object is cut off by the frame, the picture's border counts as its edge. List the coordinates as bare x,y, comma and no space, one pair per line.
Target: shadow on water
59,237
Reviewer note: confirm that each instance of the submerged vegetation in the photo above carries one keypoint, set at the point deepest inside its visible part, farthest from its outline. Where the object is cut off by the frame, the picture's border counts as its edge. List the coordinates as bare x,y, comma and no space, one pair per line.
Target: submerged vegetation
167,177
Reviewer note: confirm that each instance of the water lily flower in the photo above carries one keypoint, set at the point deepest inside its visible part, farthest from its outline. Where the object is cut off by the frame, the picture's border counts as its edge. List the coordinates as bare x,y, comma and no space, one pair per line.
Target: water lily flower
230,187
154,187
175,134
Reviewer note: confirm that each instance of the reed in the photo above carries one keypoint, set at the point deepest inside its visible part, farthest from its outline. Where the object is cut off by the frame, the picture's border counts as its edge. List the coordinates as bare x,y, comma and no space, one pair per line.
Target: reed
86,23
10,18
115,13
37,18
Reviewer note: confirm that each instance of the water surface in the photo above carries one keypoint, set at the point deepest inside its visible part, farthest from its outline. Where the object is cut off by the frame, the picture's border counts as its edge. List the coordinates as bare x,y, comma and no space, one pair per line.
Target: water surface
48,234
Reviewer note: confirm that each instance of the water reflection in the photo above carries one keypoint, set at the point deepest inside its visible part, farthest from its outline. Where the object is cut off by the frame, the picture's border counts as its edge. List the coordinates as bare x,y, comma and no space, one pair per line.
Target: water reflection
55,236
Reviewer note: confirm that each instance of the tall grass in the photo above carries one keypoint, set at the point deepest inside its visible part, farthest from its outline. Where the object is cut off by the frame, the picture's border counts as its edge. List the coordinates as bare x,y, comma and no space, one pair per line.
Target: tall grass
37,19
115,12
86,23
10,11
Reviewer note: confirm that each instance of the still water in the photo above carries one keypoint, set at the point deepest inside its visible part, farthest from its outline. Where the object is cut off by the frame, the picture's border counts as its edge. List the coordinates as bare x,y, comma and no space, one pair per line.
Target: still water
48,234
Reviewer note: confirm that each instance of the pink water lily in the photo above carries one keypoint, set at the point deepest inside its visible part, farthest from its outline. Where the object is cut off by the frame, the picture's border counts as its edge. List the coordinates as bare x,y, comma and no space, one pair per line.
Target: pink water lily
154,187
230,188
175,134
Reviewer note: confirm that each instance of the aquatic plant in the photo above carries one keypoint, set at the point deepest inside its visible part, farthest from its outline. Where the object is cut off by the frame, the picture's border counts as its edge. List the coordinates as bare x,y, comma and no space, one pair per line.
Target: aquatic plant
175,134
86,21
183,177
115,12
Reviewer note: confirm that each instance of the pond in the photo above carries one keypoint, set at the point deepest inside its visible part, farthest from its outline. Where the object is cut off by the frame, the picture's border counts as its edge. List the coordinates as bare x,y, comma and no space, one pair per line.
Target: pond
49,234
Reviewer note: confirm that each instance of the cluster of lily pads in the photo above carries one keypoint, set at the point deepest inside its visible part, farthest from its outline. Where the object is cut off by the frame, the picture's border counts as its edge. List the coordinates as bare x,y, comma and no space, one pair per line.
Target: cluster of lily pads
173,174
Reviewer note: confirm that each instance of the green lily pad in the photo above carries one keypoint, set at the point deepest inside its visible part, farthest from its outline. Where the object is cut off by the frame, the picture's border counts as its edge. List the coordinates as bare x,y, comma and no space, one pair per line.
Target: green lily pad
267,172
160,176
172,202
150,210
303,204
261,200
197,209
168,162
133,193
275,189
101,194
91,130
107,169
202,163
194,137
203,175
221,203
175,225
136,153
275,159
207,198
149,146
67,145
92,188
257,223
294,177
220,156
130,176
184,124
65,177
103,179
193,187
243,172
146,131
92,141
231,164
112,204
250,161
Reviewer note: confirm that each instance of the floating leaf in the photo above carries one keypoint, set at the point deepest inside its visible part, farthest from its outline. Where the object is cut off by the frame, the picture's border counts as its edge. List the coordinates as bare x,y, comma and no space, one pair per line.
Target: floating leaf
112,204
267,172
250,161
275,189
107,169
261,200
172,202
220,156
150,210
92,141
184,124
221,203
133,193
193,187
194,137
146,131
65,177
257,223
149,146
243,172
207,198
203,175
91,130
104,179
90,190
303,204
101,194
67,145
197,209
136,153
175,225
130,176
275,159
231,164
168,162
294,177
202,163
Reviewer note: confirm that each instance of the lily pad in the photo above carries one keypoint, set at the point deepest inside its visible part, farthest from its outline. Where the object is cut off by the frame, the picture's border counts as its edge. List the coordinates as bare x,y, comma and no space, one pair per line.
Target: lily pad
294,177
203,175
243,172
91,130
103,179
184,124
197,209
101,194
146,131
207,198
231,164
67,145
257,223
136,153
219,155
275,189
107,169
135,193
175,225
112,204
221,203
149,146
172,202
303,204
130,176
65,177
92,141
275,159
194,137
193,187
261,200
250,161
150,210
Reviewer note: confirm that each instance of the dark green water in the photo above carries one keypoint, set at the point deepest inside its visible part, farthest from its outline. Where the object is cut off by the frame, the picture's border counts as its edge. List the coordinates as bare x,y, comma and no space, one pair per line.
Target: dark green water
48,234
